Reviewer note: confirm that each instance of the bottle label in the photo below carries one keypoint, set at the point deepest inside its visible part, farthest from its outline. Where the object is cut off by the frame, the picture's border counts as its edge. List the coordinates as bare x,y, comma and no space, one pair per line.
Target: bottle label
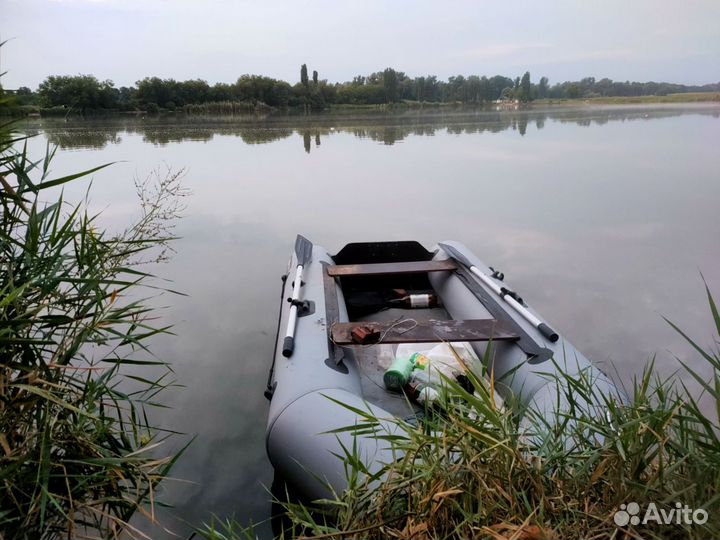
427,396
419,361
419,300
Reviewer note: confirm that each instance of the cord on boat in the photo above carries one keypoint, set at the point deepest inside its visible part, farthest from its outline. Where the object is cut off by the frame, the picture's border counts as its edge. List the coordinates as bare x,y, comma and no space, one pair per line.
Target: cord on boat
269,390
400,320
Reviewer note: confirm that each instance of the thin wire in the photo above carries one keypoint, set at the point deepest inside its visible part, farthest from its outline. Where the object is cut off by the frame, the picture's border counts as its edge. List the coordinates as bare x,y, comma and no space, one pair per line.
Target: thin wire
397,322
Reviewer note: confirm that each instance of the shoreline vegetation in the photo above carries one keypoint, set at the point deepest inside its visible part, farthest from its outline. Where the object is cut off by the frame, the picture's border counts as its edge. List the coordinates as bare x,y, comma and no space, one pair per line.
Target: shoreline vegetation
383,90
79,452
648,466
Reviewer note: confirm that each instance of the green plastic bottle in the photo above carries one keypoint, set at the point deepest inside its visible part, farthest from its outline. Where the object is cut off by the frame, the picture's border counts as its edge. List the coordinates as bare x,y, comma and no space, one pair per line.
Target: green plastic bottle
398,374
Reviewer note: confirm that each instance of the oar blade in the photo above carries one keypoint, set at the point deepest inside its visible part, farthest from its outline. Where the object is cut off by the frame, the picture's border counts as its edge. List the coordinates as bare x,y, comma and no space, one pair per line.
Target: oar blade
303,250
455,254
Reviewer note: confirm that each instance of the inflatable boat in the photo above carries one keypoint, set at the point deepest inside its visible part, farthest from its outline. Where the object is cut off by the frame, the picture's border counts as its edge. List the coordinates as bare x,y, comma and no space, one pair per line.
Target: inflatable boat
341,319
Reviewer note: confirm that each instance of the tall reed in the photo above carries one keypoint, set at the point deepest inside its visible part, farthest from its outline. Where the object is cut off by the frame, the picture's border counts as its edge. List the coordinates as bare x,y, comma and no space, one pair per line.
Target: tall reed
79,454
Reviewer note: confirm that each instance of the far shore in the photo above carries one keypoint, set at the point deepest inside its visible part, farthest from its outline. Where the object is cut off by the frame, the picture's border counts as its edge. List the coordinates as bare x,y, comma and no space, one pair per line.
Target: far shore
688,97
509,105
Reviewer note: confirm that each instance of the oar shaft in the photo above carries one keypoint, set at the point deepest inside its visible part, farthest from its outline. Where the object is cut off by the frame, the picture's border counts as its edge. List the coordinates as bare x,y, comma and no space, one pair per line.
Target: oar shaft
292,320
297,283
289,342
543,328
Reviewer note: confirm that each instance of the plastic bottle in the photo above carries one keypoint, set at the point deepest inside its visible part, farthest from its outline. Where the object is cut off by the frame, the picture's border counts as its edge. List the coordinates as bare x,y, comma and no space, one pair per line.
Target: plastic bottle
399,372
427,396
421,393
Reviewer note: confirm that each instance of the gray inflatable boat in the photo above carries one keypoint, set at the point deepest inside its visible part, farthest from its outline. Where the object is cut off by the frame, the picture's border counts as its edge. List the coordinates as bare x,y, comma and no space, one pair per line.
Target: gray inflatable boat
327,303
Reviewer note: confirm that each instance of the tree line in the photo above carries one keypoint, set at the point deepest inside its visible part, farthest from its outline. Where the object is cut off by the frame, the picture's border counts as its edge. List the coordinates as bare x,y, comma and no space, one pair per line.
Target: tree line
86,93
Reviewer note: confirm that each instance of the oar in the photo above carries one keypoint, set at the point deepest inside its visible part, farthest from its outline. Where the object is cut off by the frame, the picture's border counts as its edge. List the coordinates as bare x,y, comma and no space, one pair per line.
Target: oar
303,254
543,328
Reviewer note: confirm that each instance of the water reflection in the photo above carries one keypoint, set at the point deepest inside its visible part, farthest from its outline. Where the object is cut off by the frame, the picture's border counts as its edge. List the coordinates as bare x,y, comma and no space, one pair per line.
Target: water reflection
600,217
386,129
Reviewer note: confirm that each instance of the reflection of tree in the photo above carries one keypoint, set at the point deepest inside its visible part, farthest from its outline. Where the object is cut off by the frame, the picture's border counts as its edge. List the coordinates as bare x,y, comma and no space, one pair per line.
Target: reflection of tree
83,139
376,126
522,125
261,136
391,134
168,135
309,134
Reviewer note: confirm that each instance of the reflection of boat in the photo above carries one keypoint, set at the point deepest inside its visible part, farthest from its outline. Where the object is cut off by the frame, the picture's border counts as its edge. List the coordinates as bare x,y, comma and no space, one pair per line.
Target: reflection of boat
326,367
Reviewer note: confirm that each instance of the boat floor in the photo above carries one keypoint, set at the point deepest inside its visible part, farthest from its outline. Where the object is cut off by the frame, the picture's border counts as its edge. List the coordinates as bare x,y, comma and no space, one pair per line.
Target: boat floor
373,360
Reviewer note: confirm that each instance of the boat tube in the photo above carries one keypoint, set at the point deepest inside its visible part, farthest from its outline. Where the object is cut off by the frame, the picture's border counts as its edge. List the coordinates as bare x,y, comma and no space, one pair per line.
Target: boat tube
328,383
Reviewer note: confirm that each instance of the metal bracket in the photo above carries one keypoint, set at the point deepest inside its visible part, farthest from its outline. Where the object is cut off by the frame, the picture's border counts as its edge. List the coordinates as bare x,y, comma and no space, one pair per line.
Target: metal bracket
305,307
338,366
270,391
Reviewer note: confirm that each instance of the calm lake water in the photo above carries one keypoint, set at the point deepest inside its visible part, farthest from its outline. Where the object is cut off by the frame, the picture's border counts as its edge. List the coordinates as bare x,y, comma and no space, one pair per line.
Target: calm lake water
601,218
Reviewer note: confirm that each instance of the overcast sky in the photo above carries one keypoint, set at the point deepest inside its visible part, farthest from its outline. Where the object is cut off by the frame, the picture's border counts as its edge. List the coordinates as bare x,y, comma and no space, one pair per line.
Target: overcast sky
218,40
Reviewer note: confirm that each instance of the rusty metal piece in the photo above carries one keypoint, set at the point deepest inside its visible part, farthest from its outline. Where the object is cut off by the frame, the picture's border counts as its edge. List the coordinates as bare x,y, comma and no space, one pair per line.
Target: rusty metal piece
364,335
431,331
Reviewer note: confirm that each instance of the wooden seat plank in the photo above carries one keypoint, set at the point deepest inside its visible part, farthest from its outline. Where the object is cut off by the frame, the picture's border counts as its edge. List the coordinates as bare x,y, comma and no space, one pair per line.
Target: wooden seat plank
411,331
381,269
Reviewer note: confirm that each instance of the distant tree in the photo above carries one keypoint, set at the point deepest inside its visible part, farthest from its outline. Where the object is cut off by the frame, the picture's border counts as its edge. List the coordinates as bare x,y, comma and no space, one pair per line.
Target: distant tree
328,92
426,88
473,90
456,88
573,91
604,87
542,88
370,94
85,92
374,78
82,92
25,96
256,88
127,97
497,84
194,91
390,85
419,88
220,92
525,88
155,90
